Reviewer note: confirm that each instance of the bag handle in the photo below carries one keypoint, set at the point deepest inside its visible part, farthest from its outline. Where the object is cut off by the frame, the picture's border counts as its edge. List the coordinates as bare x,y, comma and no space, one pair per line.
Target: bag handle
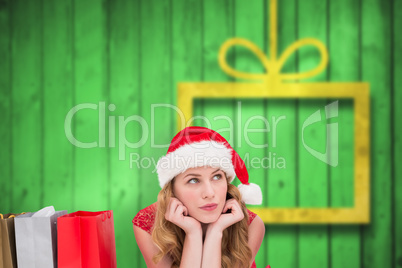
104,217
11,216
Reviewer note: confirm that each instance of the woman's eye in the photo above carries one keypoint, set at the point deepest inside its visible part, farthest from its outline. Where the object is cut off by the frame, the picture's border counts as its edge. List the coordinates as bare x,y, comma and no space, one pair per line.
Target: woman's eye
193,180
218,177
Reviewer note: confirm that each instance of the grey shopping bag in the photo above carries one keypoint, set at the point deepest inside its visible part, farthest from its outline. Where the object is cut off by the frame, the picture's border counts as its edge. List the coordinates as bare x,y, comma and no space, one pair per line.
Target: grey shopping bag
36,238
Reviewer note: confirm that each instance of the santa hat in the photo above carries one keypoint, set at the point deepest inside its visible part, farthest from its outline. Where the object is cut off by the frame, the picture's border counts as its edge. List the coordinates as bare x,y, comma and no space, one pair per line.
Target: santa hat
200,146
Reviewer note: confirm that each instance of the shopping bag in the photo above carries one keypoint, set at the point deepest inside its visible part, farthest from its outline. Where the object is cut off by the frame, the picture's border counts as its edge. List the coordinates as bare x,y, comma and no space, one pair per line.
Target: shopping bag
36,238
7,241
86,240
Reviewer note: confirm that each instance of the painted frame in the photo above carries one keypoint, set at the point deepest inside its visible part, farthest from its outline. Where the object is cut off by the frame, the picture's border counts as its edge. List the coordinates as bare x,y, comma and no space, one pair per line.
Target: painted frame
359,92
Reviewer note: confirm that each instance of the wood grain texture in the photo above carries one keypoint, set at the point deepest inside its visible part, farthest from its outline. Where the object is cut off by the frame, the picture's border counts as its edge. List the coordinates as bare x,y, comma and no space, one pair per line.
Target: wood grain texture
27,105
156,88
58,100
55,55
90,77
249,115
375,53
396,97
282,181
6,180
124,104
312,173
219,113
187,48
344,66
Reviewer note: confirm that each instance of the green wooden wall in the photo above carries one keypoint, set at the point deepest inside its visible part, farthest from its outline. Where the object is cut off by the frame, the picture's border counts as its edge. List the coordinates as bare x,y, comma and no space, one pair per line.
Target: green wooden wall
124,56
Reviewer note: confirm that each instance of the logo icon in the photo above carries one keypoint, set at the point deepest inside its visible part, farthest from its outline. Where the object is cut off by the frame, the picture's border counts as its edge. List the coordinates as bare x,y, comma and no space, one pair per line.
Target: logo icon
331,111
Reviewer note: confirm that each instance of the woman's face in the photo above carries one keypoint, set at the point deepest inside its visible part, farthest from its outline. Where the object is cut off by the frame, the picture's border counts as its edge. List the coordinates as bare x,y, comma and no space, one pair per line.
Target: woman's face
202,190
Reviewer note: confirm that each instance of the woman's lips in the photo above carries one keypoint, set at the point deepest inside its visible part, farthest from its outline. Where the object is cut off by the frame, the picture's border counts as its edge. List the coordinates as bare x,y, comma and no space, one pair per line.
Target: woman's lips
209,207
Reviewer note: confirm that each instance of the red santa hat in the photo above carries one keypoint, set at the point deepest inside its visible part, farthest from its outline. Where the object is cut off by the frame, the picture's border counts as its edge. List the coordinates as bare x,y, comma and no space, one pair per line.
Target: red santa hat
200,146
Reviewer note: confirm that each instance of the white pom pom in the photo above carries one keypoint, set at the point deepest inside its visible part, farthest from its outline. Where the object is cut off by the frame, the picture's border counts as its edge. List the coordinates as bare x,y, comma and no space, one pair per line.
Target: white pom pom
251,193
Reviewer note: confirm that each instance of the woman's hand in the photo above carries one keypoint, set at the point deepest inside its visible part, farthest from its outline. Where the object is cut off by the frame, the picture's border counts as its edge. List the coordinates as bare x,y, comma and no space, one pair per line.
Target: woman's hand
177,213
213,239
227,219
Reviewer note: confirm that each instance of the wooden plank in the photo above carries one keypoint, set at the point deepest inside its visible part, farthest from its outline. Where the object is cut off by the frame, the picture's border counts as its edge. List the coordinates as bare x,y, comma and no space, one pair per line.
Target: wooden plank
198,113
156,88
91,181
216,13
26,106
312,173
344,66
376,52
125,162
218,112
58,100
282,187
250,114
5,109
397,130
251,141
187,48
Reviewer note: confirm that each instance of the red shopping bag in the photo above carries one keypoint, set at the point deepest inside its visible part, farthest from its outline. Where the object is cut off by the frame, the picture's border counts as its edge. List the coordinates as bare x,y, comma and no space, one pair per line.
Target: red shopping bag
86,240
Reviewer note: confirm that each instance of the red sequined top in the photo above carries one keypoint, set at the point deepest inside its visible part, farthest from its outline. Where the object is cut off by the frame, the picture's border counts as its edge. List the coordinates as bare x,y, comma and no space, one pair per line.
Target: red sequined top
145,219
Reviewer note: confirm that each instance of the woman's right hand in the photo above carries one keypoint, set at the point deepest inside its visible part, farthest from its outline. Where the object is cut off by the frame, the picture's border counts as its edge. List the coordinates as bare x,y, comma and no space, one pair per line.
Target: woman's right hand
177,214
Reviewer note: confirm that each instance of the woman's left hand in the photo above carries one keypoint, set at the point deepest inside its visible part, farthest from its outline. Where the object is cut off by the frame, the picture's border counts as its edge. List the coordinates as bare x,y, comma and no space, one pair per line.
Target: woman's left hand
227,219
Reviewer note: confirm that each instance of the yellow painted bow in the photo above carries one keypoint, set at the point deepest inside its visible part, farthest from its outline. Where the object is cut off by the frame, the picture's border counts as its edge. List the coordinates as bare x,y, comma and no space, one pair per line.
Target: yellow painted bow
273,65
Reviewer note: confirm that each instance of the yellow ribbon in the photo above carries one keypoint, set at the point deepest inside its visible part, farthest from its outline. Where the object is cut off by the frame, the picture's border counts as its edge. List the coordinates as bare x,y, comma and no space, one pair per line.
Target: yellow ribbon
272,65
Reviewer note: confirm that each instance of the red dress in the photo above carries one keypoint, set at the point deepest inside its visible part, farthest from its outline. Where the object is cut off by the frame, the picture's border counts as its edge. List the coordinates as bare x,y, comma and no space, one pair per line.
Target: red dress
145,219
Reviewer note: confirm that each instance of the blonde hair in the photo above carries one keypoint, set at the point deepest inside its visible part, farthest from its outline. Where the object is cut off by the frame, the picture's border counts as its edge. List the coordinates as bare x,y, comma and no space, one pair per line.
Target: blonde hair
169,238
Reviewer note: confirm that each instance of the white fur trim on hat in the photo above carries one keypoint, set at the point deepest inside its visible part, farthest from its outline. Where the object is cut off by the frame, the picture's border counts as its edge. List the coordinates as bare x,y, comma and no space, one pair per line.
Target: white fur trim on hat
251,193
197,154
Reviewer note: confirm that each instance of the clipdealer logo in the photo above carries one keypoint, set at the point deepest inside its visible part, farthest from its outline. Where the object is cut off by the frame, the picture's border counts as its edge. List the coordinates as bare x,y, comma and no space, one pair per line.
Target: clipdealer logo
107,133
330,156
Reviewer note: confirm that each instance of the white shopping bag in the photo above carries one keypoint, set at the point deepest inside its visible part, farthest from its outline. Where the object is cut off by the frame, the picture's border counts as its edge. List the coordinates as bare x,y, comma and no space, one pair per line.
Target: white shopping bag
36,238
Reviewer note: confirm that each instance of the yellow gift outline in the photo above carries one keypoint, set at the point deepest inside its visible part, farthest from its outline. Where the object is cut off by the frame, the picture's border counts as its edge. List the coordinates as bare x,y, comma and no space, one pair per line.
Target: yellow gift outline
269,88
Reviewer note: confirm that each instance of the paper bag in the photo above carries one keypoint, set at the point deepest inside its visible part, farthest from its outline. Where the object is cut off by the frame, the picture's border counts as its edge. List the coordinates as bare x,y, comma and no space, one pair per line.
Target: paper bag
36,238
86,240
7,241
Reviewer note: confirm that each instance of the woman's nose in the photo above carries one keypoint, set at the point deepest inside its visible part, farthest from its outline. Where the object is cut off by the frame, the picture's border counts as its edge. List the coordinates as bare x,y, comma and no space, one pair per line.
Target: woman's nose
208,191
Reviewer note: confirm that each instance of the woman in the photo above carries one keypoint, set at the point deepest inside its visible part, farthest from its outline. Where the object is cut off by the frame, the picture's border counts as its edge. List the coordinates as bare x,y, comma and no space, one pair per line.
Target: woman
200,219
